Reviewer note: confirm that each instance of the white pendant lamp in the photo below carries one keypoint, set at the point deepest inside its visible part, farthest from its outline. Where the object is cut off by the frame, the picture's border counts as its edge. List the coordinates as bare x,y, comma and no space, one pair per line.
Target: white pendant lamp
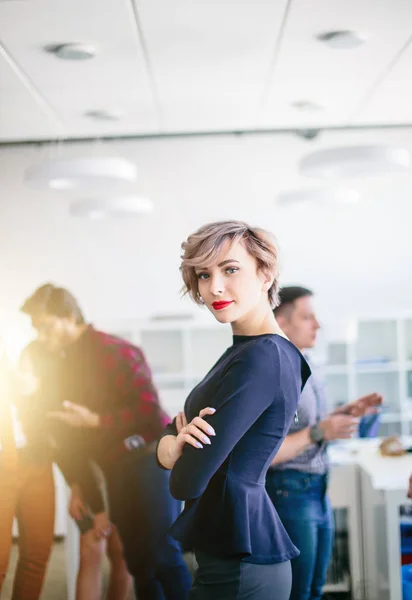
121,207
355,161
318,195
82,173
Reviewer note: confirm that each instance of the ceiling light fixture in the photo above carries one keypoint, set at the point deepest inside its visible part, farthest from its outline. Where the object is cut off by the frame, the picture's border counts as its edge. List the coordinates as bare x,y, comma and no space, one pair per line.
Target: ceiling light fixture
61,184
73,50
342,40
306,105
355,161
82,173
104,115
123,206
319,195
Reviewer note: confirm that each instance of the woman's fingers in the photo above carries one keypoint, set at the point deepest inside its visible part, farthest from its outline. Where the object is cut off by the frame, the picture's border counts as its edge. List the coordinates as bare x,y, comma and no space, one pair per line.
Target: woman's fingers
203,425
188,439
195,432
181,421
207,411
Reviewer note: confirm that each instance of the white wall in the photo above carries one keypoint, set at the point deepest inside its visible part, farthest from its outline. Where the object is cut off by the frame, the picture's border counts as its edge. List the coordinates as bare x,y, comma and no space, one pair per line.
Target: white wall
356,257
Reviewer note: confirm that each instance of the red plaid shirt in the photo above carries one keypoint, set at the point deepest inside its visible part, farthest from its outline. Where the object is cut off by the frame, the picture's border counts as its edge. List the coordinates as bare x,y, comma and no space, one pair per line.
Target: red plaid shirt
111,377
126,366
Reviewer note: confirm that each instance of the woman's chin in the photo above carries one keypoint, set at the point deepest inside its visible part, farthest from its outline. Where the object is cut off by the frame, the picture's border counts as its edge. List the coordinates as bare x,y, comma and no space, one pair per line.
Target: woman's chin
223,316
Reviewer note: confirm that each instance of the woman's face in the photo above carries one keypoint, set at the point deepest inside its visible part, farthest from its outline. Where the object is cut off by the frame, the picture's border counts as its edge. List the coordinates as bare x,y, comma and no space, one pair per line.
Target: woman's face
233,286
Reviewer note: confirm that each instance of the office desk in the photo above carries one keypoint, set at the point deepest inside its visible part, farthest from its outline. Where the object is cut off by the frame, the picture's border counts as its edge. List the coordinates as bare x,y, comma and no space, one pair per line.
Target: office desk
383,487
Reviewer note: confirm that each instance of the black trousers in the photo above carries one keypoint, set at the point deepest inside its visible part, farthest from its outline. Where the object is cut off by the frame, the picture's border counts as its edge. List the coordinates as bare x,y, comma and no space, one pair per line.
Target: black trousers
143,510
231,579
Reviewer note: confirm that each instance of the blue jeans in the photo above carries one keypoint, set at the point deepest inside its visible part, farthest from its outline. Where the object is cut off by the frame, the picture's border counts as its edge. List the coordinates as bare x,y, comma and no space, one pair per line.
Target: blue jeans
305,511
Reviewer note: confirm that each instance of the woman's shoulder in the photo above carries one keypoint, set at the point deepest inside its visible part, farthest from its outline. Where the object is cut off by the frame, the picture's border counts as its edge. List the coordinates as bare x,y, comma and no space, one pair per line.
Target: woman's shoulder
274,351
268,345
291,350
259,353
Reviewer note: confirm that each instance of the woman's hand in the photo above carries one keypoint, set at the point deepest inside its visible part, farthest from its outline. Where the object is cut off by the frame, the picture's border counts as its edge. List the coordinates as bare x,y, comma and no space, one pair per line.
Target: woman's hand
196,433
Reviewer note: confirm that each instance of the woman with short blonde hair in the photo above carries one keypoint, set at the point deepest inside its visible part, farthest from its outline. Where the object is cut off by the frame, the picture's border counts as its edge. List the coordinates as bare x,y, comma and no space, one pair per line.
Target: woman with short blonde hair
203,247
235,420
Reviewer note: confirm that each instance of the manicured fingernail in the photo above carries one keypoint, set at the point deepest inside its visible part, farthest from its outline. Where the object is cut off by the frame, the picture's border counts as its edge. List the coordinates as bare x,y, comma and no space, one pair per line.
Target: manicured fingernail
213,410
206,440
199,445
211,431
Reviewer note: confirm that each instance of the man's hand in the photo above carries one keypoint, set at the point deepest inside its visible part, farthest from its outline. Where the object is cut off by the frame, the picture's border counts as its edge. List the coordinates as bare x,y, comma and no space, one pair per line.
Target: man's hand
362,406
77,508
76,416
102,525
339,427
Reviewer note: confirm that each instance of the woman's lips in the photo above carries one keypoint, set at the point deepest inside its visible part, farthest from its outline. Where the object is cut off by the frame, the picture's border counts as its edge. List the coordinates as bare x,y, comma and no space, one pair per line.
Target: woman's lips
221,304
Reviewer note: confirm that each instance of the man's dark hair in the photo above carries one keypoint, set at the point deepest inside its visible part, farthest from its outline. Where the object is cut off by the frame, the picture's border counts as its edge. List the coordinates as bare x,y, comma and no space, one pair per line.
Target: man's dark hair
288,295
61,303
56,301
37,301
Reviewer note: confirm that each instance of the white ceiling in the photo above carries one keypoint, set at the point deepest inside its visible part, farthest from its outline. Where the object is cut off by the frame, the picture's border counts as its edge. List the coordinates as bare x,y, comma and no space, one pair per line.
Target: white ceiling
194,66
191,66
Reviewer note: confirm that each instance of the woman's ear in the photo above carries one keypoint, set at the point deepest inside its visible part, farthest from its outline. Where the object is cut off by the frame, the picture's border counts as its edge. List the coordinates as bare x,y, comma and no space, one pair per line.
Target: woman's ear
267,278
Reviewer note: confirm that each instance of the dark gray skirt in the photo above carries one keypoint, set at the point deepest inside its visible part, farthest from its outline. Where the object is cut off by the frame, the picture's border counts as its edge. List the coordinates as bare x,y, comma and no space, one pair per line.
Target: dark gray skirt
231,579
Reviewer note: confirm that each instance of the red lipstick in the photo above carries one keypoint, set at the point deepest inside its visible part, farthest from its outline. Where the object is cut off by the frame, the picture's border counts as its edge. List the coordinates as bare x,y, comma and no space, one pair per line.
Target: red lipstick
221,304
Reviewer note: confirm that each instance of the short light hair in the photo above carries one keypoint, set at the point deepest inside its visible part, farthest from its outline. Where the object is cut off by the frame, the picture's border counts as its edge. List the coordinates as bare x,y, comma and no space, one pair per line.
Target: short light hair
202,248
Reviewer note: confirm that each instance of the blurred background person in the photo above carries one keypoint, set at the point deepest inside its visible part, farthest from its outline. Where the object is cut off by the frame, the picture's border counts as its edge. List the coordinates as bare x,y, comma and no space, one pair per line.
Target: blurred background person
79,472
298,479
42,366
105,394
26,489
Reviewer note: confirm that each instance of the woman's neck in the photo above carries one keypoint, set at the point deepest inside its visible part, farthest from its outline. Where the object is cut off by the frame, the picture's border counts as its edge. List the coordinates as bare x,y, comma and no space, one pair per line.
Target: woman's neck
258,324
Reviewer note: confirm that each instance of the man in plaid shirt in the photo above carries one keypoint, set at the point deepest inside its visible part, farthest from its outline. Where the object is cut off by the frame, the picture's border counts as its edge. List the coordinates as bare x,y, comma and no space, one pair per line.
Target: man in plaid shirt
103,408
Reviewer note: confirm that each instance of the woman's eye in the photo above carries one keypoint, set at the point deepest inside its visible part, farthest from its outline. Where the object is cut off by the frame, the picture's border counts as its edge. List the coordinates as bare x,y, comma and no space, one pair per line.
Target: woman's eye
232,270
202,275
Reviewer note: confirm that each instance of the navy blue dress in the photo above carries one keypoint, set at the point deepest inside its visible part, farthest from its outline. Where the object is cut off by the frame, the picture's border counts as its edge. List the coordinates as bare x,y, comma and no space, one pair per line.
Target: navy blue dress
254,387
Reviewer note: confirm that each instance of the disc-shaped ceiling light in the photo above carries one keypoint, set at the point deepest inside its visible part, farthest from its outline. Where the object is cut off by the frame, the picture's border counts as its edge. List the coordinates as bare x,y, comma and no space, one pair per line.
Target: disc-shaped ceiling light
355,161
124,206
73,50
104,114
342,39
318,195
306,106
82,173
